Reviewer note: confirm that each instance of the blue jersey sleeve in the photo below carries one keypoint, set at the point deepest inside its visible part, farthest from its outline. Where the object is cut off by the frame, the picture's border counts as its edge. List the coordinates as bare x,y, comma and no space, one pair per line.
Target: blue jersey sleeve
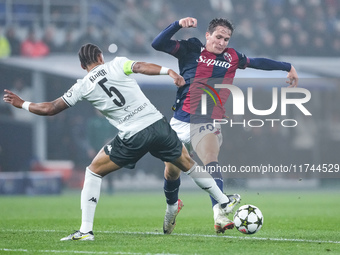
268,64
176,48
243,61
163,41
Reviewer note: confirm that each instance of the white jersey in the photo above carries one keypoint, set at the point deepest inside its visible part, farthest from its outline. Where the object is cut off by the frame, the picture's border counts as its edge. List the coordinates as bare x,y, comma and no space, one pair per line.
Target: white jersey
111,90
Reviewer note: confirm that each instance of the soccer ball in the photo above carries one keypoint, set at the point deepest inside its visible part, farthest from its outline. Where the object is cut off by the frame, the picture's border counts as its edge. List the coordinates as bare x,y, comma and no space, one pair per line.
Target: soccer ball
248,219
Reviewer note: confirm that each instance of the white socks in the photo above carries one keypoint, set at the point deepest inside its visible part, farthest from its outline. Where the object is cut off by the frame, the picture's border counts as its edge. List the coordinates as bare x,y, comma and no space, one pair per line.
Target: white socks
92,184
204,180
89,199
217,211
172,209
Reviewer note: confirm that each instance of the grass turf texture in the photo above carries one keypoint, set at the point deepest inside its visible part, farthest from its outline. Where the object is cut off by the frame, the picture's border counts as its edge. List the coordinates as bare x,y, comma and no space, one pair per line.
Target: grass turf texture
294,223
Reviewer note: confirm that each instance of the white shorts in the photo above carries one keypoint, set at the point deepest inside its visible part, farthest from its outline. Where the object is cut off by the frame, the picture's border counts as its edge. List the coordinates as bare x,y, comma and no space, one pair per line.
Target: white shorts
191,134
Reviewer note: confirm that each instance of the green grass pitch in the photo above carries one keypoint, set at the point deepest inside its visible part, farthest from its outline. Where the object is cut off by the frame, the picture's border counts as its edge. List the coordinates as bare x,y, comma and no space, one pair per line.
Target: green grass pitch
297,222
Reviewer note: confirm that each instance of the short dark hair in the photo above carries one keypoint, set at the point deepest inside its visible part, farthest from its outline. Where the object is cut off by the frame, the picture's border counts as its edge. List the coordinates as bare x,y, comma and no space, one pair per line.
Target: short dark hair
88,54
220,22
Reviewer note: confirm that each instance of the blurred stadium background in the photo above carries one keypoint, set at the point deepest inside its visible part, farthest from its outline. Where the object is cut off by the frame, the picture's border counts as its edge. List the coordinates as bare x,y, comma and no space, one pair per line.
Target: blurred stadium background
47,154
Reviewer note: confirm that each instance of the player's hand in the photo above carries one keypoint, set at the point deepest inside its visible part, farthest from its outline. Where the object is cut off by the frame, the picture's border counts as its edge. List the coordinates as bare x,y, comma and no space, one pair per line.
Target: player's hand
12,99
178,79
293,78
188,22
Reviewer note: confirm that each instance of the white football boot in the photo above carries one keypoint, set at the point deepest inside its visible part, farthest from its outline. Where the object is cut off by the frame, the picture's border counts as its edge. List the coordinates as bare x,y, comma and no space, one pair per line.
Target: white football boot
170,218
222,223
233,201
79,236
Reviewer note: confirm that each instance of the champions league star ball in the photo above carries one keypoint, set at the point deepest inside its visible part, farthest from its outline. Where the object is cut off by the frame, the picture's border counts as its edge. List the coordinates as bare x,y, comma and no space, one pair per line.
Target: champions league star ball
248,219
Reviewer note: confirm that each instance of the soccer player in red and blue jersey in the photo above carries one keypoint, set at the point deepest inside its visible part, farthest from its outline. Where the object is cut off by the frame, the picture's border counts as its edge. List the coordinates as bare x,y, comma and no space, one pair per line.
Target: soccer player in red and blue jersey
203,65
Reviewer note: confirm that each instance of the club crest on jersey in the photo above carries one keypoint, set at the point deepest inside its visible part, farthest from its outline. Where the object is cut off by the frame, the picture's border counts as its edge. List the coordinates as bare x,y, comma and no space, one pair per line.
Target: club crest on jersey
227,57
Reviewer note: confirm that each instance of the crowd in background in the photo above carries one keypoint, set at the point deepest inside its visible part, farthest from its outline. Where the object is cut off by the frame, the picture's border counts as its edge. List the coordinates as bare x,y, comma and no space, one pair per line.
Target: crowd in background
262,27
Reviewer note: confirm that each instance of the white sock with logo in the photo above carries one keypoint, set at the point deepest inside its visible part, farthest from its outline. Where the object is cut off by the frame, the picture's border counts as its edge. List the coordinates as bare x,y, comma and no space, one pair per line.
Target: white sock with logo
204,180
89,199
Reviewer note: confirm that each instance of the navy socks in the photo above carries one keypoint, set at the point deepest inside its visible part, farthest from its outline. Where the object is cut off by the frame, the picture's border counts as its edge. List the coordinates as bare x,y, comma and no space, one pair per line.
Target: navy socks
171,189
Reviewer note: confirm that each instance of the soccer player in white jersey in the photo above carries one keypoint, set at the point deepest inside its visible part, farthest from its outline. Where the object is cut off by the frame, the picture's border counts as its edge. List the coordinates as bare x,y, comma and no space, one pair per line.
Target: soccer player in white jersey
142,128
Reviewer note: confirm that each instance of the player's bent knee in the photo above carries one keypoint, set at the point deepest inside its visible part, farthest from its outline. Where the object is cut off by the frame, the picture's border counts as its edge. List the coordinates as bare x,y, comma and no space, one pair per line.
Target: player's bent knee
94,169
184,163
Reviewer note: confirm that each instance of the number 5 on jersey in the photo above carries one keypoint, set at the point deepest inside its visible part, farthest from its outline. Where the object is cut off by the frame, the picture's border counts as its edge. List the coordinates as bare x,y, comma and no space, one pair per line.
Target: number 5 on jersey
112,90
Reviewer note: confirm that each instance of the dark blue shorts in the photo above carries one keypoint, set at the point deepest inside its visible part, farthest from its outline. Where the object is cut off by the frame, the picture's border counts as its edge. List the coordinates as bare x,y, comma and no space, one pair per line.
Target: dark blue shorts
159,139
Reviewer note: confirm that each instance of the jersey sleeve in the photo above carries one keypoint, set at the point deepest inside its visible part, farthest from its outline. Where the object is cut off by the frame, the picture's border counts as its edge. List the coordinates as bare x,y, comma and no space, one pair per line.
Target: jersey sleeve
269,64
125,64
243,61
163,41
73,95
186,46
178,49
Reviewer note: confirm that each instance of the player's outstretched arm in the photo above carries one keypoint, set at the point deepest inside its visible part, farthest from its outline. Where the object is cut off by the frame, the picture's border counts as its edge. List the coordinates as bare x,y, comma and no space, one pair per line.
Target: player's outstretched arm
293,77
163,42
46,108
269,64
153,69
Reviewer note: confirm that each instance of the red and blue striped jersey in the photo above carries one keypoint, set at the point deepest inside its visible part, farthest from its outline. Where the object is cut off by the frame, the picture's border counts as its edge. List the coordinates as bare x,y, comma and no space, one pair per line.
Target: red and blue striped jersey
201,70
